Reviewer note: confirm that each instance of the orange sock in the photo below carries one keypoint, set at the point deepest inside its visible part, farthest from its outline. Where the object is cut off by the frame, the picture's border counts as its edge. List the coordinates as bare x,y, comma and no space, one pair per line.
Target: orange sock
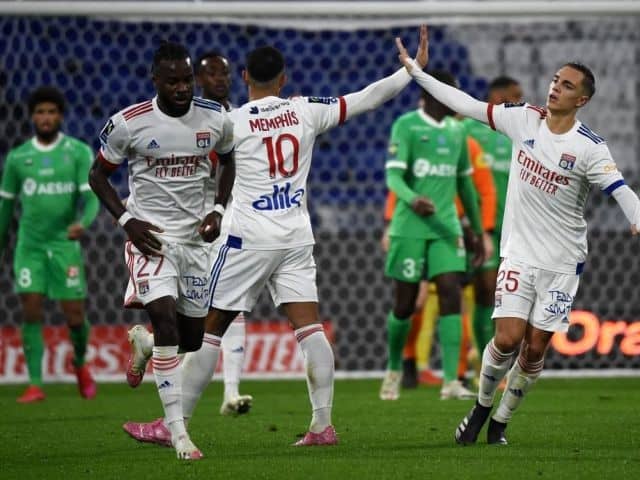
410,346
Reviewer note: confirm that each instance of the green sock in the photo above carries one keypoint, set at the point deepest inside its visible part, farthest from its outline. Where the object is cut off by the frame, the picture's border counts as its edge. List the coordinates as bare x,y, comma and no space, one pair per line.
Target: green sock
482,326
450,334
79,338
33,347
397,332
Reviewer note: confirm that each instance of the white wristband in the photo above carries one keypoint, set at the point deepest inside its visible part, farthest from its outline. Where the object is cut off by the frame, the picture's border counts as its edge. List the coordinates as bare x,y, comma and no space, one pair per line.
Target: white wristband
218,207
124,218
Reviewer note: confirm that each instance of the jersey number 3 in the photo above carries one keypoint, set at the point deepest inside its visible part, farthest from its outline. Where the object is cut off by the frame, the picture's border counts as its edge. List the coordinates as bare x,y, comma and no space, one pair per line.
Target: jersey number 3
277,157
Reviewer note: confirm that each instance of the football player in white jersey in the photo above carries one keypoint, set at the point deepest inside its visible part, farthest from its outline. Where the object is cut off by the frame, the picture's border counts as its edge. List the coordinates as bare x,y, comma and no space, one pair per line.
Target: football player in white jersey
213,76
167,141
555,161
267,239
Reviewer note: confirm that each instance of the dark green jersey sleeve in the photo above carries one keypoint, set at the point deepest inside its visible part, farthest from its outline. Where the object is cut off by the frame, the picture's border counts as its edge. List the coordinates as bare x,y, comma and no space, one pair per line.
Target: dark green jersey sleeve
398,162
9,189
90,203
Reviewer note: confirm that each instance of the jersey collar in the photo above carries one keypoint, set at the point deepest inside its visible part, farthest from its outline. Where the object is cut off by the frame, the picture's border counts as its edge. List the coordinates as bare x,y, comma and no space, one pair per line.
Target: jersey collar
164,116
47,148
430,120
560,136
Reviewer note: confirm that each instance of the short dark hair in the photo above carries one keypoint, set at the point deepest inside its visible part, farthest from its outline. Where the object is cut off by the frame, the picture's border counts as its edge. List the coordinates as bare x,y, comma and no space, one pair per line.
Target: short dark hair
46,94
208,54
169,51
265,64
503,81
589,80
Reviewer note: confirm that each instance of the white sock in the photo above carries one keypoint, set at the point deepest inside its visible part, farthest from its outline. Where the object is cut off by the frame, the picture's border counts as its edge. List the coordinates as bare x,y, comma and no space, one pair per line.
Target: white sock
233,352
319,365
166,370
521,377
494,367
197,370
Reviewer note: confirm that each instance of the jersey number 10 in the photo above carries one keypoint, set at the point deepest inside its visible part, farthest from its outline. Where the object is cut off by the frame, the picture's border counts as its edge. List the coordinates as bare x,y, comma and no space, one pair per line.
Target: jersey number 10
277,157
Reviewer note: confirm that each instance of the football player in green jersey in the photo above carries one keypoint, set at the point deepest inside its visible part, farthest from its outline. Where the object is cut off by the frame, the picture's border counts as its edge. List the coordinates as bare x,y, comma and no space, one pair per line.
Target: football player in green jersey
428,166
497,154
49,175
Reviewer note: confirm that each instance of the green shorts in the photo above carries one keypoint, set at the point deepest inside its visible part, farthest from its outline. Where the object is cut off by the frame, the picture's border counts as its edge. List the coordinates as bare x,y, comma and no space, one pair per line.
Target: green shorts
409,258
55,270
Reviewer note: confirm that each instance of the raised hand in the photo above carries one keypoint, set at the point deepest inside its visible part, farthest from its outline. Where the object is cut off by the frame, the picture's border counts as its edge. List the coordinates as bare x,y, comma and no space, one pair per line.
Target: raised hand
422,55
139,233
210,227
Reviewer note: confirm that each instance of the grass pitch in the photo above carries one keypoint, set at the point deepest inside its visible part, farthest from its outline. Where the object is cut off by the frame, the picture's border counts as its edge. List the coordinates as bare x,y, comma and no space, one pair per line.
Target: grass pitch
565,429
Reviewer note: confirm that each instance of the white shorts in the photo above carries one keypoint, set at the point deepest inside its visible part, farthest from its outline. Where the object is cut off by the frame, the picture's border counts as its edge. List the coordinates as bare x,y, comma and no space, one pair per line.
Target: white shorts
238,276
182,272
540,297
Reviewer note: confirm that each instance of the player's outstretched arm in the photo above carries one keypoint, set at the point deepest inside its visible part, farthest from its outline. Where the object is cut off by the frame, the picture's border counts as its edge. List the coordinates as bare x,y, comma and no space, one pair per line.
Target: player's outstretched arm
630,205
377,93
454,98
139,231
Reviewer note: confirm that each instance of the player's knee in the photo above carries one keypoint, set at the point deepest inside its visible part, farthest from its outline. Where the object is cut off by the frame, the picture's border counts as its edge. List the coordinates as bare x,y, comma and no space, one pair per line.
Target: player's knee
404,310
532,353
506,341
190,344
74,313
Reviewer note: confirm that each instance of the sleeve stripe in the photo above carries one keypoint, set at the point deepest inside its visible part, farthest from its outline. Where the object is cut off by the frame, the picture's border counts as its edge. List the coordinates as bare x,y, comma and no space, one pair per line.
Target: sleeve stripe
396,164
617,184
7,195
84,187
343,110
490,115
466,173
106,163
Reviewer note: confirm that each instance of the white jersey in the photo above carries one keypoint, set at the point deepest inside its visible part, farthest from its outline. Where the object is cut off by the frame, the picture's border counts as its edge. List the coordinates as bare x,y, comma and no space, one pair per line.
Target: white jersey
549,182
274,140
168,161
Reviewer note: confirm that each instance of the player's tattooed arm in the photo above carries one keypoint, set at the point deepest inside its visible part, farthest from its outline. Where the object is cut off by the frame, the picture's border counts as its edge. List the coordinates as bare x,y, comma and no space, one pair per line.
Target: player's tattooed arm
210,228
139,231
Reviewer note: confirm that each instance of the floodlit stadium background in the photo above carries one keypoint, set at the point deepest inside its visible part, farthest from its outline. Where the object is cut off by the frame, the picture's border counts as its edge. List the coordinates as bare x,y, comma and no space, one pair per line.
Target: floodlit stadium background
102,64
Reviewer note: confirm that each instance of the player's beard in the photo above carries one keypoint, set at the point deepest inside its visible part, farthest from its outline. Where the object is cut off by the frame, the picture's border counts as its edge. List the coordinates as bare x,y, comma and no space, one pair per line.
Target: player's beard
47,136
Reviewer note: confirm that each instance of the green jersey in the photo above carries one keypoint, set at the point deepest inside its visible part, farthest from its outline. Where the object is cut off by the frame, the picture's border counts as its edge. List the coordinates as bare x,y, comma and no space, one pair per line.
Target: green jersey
431,155
497,154
49,181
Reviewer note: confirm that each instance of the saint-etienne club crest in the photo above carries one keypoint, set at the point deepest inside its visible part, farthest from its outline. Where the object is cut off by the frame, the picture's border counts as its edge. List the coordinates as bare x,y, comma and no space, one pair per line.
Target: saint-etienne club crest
567,161
203,139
